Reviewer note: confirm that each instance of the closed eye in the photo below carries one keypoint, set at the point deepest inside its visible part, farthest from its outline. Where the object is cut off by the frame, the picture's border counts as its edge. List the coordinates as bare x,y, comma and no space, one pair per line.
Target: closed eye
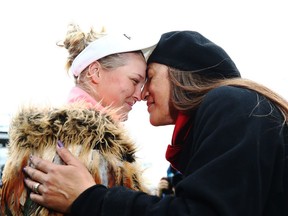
135,81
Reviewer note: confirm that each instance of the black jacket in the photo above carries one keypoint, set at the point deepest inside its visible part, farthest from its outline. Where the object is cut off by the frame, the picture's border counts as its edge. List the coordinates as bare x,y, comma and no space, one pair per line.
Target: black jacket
235,162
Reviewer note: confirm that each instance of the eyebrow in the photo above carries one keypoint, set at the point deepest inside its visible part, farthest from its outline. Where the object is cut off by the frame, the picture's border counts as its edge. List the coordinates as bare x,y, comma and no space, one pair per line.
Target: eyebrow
141,77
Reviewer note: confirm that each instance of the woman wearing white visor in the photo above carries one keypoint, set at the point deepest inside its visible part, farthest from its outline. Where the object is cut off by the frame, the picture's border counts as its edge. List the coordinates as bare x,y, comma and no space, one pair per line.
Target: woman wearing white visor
109,70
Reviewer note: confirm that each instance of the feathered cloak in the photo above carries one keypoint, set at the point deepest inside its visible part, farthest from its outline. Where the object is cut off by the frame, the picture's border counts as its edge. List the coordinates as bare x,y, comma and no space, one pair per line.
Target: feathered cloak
101,143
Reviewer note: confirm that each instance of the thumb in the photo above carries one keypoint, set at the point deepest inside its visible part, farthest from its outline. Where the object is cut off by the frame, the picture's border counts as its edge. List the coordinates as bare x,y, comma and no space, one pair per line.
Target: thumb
67,157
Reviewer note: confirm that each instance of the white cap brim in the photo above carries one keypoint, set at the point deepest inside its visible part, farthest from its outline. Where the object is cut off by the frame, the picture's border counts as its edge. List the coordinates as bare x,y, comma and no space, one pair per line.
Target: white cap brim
111,44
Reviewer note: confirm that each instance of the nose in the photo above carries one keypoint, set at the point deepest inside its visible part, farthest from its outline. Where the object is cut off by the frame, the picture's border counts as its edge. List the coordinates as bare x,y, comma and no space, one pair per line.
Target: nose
137,94
144,93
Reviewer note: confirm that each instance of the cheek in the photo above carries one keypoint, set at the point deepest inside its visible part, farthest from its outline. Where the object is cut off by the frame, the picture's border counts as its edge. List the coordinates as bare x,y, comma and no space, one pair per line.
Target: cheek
121,90
125,90
163,103
160,114
117,85
164,97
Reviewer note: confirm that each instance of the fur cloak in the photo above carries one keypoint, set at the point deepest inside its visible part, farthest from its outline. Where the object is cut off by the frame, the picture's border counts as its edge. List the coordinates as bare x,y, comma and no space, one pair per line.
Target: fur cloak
101,143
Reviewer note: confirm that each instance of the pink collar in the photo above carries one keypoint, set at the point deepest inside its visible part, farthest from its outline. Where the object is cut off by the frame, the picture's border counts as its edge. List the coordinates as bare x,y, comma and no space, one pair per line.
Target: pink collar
79,95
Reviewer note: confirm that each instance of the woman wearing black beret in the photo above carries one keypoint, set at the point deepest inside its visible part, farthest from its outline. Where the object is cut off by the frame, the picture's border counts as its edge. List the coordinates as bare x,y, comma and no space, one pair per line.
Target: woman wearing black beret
230,142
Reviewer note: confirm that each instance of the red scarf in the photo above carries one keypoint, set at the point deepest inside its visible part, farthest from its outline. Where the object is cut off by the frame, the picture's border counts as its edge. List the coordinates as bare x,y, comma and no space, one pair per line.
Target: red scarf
180,132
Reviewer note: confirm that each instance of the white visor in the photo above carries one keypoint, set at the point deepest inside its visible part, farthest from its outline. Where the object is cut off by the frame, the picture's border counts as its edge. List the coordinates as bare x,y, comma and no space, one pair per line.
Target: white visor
111,44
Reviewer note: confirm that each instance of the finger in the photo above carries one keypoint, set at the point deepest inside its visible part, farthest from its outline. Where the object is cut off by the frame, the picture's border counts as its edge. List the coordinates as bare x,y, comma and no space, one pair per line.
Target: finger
34,186
29,183
41,164
34,174
38,198
67,156
43,201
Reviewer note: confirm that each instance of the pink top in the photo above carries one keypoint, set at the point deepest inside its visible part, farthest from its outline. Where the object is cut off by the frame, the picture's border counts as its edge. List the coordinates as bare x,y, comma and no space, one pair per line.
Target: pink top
77,95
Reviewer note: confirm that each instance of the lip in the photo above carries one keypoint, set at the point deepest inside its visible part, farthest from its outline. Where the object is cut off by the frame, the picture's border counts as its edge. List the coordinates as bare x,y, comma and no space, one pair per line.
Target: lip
130,105
149,105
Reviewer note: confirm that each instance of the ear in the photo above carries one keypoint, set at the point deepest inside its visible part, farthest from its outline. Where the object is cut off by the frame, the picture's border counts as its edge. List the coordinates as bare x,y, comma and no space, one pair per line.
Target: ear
93,71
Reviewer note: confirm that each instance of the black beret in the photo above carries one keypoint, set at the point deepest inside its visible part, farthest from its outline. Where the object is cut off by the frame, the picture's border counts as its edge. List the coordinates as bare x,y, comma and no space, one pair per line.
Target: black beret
191,51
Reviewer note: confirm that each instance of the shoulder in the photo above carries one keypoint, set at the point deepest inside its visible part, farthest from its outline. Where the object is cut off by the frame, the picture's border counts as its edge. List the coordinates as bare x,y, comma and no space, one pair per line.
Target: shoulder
238,101
230,97
231,92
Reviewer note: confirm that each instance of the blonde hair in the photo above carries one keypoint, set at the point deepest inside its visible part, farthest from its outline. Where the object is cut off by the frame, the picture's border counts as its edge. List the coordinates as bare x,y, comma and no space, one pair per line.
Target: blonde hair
76,41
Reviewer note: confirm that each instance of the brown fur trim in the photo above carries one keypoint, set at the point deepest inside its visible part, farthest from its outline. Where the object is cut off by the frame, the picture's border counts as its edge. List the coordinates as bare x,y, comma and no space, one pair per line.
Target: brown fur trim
94,137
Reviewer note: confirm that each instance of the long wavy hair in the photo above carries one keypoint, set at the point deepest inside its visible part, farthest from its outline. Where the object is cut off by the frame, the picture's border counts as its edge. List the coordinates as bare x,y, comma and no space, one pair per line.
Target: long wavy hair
188,89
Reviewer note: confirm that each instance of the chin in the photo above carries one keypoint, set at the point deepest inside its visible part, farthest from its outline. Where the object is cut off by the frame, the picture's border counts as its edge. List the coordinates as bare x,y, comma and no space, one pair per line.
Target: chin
154,122
161,121
123,117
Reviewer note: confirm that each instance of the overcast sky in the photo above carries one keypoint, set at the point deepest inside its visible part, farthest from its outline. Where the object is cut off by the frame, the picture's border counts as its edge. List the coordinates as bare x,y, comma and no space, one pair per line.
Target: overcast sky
253,32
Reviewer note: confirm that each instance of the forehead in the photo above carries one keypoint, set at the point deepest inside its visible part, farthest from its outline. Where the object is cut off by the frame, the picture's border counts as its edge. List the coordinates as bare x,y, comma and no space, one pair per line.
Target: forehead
134,64
155,69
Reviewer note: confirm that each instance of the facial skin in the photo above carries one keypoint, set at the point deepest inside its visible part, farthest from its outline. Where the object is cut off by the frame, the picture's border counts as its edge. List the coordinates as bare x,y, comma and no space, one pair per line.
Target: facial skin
121,86
156,92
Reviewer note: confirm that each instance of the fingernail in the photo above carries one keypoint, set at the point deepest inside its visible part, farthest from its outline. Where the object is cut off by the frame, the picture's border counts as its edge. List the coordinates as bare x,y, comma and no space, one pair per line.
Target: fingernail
60,144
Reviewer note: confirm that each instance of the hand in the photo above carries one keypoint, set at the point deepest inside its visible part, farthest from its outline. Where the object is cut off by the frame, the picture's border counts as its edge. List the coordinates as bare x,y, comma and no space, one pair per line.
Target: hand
163,186
59,185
